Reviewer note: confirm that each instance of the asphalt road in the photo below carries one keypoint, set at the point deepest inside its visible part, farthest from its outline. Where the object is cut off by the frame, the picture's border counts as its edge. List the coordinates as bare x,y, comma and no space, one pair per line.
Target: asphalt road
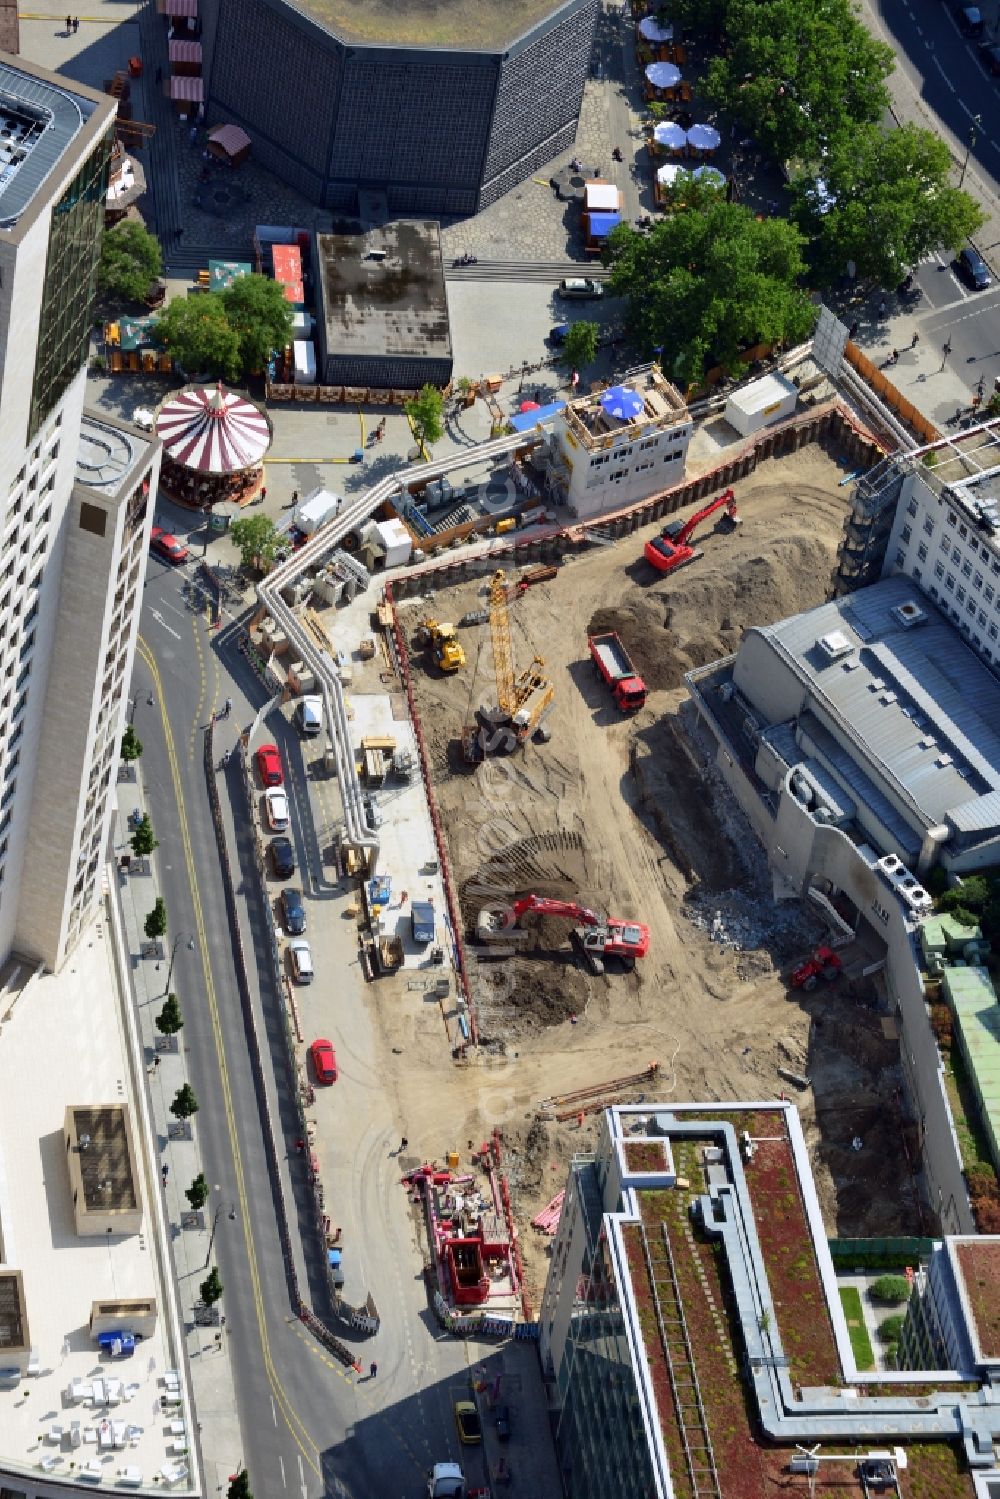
309,1427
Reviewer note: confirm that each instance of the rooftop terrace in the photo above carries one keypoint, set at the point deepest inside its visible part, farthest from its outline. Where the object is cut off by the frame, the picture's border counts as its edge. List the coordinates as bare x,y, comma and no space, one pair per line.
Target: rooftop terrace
662,406
38,122
68,1280
480,25
979,1269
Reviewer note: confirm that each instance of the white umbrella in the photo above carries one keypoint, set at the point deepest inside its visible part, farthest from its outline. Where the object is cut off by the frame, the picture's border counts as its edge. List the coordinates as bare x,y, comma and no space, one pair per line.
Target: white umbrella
663,74
651,29
669,133
711,175
669,174
704,137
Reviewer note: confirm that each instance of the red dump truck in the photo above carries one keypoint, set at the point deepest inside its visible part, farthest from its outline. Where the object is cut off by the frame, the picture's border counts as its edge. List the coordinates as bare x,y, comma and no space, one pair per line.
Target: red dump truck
614,664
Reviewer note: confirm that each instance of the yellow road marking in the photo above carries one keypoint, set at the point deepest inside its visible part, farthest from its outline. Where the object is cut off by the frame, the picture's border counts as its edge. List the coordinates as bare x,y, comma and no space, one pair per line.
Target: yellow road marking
203,684
305,1443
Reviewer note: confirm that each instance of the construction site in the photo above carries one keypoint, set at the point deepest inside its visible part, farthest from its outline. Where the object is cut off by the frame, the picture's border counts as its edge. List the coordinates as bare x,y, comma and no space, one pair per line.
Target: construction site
620,933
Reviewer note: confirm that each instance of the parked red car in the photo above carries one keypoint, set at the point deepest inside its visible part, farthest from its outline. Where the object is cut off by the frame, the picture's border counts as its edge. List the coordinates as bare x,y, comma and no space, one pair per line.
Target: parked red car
167,546
269,766
324,1060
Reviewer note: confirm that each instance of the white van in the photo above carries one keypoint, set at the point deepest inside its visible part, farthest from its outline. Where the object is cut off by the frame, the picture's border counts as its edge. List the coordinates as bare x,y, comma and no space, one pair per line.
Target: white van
309,715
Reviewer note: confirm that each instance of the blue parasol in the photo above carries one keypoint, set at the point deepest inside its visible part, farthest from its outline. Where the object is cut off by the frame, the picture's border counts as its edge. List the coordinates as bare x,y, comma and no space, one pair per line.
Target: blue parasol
621,403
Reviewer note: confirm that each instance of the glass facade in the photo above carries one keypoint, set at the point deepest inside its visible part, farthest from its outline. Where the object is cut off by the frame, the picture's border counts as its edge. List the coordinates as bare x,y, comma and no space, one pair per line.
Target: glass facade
600,1438
69,291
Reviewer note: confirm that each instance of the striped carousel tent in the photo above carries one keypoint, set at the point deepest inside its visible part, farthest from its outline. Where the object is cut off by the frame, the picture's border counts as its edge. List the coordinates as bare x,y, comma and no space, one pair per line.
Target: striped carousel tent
214,442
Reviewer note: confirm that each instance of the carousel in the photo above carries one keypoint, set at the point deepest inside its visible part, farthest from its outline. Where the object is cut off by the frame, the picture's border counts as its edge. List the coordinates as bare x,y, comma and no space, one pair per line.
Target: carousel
214,442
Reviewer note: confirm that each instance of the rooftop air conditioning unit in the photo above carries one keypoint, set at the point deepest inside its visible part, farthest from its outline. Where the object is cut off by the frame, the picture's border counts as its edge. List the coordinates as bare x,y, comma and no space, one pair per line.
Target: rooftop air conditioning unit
908,614
835,645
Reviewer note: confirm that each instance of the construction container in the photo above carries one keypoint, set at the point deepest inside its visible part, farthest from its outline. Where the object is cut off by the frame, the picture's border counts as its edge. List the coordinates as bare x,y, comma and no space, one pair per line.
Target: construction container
760,404
506,525
453,1159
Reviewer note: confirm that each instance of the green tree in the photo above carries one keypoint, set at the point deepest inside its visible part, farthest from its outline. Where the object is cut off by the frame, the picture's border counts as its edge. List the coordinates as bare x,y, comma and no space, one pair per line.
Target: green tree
706,285
580,346
885,202
131,745
239,1487
197,333
211,1287
197,1192
971,895
890,1329
143,840
131,260
185,1104
262,317
156,921
894,1289
795,73
257,539
170,1020
426,413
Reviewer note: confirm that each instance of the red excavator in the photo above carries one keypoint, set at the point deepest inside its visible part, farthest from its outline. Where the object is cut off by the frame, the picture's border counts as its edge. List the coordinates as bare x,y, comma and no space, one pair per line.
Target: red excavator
670,550
597,936
824,964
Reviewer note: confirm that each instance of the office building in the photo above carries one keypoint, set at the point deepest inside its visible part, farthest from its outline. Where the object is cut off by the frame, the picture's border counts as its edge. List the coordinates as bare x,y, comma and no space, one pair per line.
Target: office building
75,511
693,1337
437,108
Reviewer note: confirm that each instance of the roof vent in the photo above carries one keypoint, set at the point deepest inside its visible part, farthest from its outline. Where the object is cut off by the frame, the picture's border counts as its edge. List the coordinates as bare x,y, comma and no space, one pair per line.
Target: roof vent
928,742
886,698
908,614
943,760
876,684
835,645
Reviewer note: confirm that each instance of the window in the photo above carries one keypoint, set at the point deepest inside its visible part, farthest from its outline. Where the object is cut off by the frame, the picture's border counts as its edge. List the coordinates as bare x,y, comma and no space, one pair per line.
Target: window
963,531
900,559
966,569
992,632
939,569
928,527
981,617
922,552
916,575
977,581
970,607
905,534
956,554
951,518
911,508
93,519
995,569
932,591
960,596
988,594
949,582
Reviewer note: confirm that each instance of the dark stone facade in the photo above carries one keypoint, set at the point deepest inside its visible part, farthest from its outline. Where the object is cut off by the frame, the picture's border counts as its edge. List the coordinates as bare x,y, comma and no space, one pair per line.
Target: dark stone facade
439,131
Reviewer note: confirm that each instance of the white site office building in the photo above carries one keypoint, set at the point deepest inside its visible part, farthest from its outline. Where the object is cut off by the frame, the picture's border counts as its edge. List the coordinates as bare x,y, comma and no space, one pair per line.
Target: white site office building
75,511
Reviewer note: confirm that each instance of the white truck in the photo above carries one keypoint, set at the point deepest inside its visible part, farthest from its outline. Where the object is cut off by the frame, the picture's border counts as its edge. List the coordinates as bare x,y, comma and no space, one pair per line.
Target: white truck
445,1481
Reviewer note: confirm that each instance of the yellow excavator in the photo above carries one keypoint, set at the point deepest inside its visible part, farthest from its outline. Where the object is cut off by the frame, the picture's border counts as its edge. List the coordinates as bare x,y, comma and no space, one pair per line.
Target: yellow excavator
442,641
522,700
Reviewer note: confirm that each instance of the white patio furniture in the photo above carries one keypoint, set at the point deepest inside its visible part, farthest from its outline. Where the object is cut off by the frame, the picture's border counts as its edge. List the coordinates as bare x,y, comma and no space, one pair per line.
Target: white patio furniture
55,1434
97,1392
114,1392
47,1463
75,1434
130,1478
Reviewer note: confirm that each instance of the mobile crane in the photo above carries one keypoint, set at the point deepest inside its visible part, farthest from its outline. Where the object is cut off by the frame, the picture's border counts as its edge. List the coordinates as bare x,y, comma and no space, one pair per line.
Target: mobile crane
522,701
671,550
598,937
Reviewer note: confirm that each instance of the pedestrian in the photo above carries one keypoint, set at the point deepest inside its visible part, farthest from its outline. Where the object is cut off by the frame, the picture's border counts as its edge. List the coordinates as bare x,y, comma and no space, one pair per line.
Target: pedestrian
156,1061
225,758
165,1173
76,23
295,497
69,25
339,503
915,339
852,332
263,493
947,349
372,1369
882,308
996,385
228,707
193,135
300,1146
893,357
404,1142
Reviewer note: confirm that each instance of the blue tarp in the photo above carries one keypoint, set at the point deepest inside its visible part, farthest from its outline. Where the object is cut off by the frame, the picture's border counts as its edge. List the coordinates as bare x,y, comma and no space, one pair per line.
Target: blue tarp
603,223
526,421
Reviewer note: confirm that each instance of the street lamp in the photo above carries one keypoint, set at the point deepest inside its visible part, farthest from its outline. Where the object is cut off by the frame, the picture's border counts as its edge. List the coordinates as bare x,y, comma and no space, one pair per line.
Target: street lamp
970,141
215,1224
173,953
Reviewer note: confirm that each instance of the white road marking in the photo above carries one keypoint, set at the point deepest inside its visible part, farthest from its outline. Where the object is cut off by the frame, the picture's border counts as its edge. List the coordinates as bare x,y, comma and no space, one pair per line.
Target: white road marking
281,1465
161,621
944,75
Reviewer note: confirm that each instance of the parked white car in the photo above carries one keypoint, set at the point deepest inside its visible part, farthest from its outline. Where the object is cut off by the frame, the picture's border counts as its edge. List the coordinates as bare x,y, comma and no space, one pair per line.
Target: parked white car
276,808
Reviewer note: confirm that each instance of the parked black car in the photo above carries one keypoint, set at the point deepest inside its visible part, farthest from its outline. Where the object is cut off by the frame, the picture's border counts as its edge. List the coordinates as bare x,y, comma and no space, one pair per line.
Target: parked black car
283,857
989,56
973,269
503,1423
293,911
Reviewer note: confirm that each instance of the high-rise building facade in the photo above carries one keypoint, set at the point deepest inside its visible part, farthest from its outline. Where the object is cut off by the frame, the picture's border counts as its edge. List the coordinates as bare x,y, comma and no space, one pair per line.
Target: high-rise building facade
75,512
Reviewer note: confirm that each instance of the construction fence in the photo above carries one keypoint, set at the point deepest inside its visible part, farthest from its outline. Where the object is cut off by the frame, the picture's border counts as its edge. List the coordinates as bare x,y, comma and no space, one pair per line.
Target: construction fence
883,387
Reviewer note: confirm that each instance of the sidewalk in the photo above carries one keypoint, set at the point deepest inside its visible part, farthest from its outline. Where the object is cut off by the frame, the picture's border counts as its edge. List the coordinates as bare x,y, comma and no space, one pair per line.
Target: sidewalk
207,1347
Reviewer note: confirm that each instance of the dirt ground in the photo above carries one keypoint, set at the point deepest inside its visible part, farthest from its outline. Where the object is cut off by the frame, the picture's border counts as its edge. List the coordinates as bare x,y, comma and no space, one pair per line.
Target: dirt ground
620,814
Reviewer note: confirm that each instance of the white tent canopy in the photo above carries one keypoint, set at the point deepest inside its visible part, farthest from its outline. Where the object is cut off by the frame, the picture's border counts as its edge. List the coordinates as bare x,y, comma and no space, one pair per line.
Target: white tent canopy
704,137
650,28
668,133
663,74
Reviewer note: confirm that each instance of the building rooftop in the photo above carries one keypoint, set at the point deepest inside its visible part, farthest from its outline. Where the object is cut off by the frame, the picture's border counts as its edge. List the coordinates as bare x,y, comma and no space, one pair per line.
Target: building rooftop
889,670
38,121
102,1141
479,25
382,293
659,405
107,452
69,1279
973,1002
977,1265
10,36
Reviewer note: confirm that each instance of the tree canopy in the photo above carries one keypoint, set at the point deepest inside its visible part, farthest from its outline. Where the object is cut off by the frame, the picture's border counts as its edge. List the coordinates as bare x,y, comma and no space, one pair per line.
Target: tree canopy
257,538
704,286
199,335
262,317
131,260
426,413
795,72
883,201
580,345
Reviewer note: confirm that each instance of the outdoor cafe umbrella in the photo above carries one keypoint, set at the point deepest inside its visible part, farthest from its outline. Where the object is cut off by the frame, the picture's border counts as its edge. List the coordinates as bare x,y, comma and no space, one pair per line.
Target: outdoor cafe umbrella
663,74
711,175
668,133
621,403
669,174
703,137
651,29
530,406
